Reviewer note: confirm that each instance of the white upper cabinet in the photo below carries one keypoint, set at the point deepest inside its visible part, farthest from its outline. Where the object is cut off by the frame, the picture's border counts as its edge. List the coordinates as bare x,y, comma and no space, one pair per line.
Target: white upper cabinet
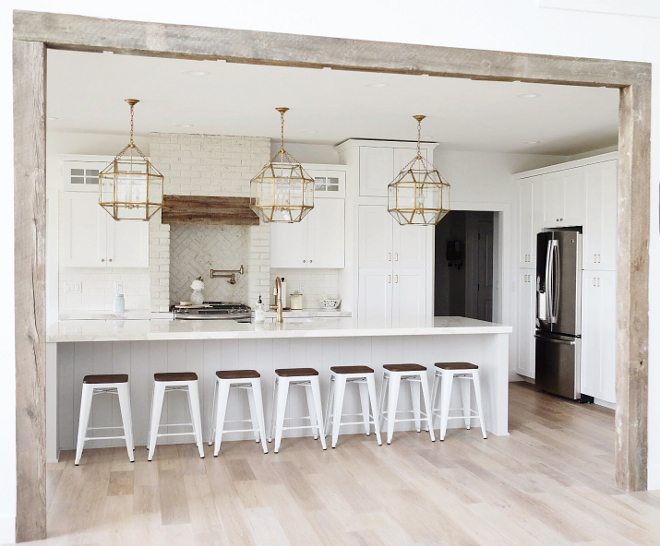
410,244
527,231
563,198
376,171
316,242
375,236
91,238
599,334
600,230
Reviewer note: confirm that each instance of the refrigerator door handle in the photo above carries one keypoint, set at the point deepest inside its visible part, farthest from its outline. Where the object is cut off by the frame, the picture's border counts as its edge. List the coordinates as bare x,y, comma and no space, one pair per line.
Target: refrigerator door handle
556,272
548,282
555,340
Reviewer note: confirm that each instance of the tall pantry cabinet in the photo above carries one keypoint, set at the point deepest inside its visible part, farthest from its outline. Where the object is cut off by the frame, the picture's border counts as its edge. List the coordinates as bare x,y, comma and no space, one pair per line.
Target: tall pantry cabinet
580,193
394,263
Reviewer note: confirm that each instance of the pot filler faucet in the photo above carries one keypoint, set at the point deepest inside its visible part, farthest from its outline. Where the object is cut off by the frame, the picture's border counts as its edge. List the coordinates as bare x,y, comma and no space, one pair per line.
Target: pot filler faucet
278,294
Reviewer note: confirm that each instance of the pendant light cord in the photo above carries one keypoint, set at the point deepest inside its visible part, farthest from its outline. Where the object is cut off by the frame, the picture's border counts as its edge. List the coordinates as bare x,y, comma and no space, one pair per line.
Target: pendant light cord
419,139
132,144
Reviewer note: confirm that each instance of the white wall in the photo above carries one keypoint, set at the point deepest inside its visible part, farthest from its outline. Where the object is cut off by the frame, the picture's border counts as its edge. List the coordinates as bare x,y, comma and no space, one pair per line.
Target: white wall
508,25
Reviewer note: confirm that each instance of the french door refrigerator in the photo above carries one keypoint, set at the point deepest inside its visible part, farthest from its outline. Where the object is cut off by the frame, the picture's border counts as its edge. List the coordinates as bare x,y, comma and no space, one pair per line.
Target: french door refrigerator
558,311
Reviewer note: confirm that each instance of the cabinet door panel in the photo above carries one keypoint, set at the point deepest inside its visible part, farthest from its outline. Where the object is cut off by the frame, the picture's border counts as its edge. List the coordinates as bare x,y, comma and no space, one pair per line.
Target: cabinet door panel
127,243
573,193
375,236
403,156
83,231
600,227
288,243
410,245
553,199
526,323
409,305
376,171
526,231
375,298
325,235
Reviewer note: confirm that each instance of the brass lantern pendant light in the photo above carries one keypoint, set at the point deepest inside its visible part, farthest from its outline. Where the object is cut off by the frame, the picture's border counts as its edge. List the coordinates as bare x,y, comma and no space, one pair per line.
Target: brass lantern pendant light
282,191
130,187
418,194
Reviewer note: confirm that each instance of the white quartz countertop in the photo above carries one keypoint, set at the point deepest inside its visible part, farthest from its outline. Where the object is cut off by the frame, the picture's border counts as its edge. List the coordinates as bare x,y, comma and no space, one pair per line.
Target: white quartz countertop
322,313
163,330
129,314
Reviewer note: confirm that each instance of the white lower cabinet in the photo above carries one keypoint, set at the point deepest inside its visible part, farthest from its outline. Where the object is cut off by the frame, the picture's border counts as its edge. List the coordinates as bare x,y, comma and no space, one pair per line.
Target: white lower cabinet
90,237
598,334
526,323
392,297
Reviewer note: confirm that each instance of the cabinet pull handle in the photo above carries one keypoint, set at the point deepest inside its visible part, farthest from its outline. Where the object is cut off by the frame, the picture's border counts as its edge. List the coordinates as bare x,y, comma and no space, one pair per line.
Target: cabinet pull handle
396,256
389,256
599,258
397,278
389,279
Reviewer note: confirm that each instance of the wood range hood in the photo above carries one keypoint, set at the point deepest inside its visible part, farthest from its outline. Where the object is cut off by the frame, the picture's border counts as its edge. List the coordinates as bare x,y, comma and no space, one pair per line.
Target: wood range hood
208,210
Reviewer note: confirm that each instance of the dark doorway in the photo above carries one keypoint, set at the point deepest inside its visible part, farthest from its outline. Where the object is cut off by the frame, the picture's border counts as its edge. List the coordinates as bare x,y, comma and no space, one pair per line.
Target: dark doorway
464,265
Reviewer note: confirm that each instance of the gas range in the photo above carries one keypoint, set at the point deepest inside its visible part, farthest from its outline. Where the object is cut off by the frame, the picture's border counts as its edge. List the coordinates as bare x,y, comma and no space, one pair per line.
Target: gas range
213,310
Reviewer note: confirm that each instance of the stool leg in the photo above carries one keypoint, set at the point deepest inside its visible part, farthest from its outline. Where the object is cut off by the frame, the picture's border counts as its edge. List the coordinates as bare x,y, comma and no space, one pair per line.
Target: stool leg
125,407
428,408
318,406
328,405
371,387
383,389
282,395
434,395
221,411
316,431
364,400
414,393
340,389
273,415
156,409
215,401
259,406
392,399
83,419
477,395
445,397
253,413
193,393
467,403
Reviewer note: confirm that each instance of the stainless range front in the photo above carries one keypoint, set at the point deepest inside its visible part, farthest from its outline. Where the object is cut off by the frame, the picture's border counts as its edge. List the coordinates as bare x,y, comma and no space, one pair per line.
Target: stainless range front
213,310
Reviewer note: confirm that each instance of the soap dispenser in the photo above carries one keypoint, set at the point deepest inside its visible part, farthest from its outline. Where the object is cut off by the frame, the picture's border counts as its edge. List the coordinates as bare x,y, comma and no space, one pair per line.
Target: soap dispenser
259,315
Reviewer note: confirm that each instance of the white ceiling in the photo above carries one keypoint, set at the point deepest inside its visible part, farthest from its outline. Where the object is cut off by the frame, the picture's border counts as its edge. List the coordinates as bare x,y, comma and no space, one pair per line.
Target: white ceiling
86,93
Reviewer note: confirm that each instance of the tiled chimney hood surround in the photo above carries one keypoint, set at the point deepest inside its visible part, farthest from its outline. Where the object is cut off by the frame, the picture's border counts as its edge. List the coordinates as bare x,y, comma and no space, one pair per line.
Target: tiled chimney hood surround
207,165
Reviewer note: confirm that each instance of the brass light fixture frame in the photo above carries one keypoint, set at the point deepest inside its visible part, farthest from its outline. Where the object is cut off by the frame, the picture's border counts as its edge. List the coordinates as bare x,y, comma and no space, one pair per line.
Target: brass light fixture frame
127,174
282,191
418,195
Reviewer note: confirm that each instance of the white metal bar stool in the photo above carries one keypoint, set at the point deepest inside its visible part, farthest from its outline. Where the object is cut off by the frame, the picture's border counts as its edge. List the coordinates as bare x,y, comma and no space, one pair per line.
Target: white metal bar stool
415,375
467,373
105,384
168,382
364,378
308,378
250,382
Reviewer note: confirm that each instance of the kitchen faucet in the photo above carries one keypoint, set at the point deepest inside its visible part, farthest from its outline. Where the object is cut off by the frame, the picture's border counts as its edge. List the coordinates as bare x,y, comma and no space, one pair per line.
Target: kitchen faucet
278,294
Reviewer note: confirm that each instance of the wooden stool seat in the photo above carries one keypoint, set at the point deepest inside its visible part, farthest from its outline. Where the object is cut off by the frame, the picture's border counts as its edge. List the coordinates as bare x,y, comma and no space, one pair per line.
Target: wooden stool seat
405,367
351,369
106,378
175,376
295,372
456,366
238,374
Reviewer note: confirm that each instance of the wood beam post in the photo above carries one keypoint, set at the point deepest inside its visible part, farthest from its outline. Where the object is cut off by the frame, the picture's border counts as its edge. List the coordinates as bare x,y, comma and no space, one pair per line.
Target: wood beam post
631,448
29,59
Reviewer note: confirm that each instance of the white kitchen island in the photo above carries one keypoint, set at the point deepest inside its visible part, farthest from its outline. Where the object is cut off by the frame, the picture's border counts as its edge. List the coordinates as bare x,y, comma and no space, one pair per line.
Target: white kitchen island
141,348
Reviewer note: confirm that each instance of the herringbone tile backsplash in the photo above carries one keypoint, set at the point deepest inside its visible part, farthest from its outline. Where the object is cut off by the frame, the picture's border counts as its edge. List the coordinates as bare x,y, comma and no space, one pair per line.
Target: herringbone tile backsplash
195,249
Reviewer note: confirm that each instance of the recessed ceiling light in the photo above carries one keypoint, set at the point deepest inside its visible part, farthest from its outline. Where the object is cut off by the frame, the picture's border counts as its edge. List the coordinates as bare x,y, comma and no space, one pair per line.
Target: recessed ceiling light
377,85
310,132
528,96
52,118
195,73
532,142
184,125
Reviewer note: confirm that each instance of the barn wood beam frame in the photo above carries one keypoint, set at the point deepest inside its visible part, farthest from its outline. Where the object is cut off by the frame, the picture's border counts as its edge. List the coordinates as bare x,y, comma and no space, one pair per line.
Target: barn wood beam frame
34,32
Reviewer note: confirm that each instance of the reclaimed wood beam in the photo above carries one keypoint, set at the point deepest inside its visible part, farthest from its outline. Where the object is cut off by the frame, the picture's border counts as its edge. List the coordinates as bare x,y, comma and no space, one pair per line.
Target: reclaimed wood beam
208,210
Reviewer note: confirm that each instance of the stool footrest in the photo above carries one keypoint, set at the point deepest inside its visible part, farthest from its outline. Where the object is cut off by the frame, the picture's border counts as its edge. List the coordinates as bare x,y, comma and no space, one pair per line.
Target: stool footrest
300,427
160,435
104,438
240,430
175,425
104,428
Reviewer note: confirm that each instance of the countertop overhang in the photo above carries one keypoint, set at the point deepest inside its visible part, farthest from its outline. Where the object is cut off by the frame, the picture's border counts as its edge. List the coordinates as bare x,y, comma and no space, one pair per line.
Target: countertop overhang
170,330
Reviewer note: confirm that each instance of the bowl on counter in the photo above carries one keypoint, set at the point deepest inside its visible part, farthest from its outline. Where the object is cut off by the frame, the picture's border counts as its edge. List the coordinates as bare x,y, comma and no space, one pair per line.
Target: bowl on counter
330,303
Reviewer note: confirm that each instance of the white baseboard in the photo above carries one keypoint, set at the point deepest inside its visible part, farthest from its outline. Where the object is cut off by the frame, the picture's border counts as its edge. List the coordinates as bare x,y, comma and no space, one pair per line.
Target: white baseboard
653,479
7,529
604,403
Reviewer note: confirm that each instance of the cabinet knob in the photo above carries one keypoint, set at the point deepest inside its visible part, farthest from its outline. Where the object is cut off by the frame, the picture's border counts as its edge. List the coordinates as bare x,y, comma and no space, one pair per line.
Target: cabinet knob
310,261
103,259
304,261
110,260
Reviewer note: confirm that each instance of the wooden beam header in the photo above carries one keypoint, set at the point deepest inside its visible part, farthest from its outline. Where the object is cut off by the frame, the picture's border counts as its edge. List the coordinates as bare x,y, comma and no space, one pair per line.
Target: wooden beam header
208,210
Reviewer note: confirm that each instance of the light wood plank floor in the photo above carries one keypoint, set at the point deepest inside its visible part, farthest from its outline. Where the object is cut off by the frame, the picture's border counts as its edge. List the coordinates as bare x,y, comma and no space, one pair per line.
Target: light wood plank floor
550,482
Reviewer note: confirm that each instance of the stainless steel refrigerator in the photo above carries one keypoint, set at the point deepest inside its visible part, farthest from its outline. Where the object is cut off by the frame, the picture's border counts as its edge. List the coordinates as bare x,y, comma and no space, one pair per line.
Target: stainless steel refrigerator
558,311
